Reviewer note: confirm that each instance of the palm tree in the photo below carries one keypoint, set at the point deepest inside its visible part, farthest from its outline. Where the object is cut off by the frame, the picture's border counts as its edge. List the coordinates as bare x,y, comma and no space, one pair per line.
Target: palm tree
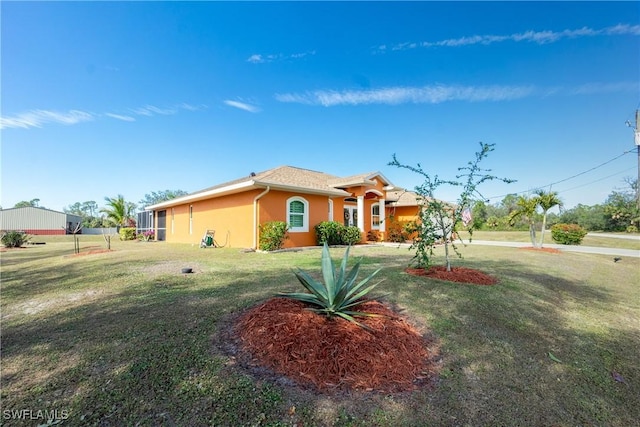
546,200
526,209
119,211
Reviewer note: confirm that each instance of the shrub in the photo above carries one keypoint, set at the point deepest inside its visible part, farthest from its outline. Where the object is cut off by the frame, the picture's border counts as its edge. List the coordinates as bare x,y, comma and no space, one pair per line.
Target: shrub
14,239
127,233
339,293
147,235
568,234
351,235
632,229
329,232
373,236
272,235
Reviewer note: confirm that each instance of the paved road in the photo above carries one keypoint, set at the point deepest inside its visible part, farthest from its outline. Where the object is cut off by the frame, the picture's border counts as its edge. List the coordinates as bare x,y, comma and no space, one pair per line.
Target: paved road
615,236
568,248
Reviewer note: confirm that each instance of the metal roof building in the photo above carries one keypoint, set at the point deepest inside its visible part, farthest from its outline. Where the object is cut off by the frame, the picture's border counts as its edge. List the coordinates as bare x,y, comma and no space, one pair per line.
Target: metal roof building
40,221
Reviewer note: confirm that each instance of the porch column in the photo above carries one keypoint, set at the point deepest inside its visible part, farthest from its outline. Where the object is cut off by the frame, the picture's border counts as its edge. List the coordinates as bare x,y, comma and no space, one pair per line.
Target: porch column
383,216
361,213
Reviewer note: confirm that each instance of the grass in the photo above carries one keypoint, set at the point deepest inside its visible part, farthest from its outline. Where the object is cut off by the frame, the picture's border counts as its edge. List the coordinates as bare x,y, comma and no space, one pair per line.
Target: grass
123,338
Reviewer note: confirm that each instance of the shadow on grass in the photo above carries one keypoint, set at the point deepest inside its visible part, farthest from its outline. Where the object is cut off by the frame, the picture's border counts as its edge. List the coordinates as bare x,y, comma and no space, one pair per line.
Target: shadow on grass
143,356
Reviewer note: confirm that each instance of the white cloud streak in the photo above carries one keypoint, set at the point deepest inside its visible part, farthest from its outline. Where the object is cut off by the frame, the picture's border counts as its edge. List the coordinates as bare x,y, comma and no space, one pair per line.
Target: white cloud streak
120,117
242,106
257,58
538,37
435,94
38,118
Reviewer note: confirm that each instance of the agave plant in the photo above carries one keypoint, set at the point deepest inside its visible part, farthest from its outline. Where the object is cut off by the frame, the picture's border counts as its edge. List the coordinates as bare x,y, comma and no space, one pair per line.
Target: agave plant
339,292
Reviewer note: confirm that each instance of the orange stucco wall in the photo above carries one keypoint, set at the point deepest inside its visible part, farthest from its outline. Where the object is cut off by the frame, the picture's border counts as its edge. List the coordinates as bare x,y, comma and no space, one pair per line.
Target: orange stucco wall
232,216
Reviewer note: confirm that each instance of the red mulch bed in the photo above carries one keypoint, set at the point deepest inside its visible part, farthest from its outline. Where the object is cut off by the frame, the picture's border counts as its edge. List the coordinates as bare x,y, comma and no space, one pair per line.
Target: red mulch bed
548,250
457,274
334,354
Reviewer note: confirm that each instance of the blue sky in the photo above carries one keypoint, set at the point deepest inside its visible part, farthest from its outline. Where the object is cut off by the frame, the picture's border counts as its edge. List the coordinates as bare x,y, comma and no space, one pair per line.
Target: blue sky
107,98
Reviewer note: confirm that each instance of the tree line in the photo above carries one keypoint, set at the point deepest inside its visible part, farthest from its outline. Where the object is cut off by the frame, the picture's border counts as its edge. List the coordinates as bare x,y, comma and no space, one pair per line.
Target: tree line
618,213
116,212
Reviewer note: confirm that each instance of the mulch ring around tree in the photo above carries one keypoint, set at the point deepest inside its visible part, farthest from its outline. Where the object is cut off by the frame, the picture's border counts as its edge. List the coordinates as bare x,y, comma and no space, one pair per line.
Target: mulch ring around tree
547,250
281,340
457,274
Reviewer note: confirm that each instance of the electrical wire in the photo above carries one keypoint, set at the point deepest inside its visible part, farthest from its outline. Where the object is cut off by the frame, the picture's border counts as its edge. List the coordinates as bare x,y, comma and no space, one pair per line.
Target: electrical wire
597,180
571,177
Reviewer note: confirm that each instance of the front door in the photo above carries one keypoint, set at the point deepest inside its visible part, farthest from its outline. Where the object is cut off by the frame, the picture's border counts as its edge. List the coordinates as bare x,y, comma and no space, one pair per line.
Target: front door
162,226
350,215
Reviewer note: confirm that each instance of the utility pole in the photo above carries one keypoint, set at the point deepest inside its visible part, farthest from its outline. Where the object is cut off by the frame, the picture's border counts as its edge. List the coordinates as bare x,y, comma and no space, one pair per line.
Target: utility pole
637,141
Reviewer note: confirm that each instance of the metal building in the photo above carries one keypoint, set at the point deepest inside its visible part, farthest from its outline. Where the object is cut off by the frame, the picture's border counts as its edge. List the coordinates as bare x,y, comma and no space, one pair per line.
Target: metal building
40,221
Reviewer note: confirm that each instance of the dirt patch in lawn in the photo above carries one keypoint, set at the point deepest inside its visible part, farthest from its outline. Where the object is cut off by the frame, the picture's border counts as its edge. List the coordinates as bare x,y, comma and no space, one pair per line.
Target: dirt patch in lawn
169,267
281,340
457,274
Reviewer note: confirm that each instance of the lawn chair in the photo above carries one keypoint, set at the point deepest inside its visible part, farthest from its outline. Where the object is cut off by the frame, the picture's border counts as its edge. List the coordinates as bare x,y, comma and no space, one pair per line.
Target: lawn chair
208,240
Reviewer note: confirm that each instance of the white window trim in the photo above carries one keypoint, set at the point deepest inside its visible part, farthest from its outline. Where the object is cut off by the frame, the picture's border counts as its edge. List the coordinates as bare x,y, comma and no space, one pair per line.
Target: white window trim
376,227
190,219
330,210
305,215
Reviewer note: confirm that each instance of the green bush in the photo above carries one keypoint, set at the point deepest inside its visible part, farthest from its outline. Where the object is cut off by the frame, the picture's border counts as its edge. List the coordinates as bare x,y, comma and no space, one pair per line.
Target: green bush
127,233
351,236
329,232
14,239
272,235
568,234
632,229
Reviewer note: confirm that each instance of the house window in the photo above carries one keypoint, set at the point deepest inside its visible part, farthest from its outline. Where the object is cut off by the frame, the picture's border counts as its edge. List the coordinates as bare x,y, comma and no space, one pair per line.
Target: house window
190,219
173,219
330,216
297,215
375,216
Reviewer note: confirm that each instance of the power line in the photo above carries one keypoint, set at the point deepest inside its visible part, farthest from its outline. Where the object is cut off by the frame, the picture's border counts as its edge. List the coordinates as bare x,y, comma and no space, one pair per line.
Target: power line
597,180
567,179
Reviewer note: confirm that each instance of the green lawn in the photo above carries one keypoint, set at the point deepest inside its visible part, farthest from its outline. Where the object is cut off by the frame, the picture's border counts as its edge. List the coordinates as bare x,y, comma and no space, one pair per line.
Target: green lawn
123,338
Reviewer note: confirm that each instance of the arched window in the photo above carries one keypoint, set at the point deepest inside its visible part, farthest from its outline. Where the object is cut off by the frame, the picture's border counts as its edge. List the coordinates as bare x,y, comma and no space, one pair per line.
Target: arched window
297,215
375,216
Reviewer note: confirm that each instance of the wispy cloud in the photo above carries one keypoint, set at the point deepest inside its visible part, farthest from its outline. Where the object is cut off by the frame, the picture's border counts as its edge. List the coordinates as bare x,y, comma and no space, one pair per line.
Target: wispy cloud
257,58
402,95
436,94
242,106
38,118
120,117
151,110
539,37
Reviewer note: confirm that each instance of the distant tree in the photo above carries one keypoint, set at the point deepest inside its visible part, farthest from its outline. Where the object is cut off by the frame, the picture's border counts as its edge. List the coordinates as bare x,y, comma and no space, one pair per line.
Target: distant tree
526,209
591,218
547,201
156,197
86,210
33,203
119,211
621,208
479,214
